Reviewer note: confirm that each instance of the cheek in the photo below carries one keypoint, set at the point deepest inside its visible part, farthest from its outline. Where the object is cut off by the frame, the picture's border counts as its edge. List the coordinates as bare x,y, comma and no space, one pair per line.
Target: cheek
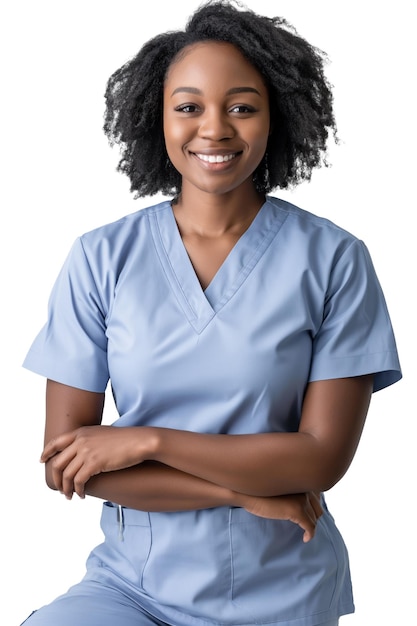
174,134
257,134
259,141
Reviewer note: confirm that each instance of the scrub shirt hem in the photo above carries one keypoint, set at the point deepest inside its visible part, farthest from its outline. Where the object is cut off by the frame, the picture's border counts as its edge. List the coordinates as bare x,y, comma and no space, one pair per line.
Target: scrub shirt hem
80,379
383,365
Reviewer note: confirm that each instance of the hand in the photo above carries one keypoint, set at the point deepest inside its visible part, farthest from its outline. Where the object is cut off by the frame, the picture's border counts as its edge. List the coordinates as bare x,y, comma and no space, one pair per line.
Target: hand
78,455
303,509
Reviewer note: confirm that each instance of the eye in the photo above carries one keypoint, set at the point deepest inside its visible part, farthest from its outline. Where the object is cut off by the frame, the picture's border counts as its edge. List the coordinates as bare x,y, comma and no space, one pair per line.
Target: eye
187,108
241,108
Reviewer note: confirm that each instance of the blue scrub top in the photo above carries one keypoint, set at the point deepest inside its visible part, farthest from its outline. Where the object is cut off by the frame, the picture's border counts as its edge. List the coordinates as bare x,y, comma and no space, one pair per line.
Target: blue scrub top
296,300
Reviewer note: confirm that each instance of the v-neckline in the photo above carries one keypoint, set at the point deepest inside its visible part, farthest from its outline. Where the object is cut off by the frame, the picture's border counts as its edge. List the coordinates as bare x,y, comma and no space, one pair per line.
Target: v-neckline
201,305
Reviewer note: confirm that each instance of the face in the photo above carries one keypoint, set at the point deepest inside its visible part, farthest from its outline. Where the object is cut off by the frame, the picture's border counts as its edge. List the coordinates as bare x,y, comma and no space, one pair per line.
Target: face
216,118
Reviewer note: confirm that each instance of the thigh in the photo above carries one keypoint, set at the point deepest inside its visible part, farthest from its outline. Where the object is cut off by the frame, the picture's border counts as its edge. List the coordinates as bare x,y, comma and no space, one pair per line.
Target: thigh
92,604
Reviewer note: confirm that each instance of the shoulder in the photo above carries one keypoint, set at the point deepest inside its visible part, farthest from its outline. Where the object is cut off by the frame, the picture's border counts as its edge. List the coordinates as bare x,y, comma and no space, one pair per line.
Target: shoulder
104,252
124,231
307,222
315,237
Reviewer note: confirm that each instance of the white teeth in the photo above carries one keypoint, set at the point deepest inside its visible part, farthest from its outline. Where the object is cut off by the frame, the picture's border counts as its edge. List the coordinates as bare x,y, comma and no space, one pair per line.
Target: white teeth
216,158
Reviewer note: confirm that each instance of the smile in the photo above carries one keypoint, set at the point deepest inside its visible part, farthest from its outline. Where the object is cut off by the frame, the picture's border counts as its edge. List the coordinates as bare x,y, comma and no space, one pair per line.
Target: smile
215,158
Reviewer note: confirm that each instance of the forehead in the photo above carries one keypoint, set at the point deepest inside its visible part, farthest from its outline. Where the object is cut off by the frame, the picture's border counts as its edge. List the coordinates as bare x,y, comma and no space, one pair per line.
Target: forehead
210,60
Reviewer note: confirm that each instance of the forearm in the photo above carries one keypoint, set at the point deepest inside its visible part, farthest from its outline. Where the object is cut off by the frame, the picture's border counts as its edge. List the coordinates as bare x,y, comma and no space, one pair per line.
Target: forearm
260,465
156,487
269,464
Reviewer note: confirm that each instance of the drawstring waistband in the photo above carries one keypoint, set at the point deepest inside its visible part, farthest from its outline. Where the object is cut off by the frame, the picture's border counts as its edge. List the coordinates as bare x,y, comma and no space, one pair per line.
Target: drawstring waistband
120,521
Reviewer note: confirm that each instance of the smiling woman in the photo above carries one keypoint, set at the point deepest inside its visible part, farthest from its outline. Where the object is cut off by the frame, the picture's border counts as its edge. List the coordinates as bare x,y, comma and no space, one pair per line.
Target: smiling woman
216,126
242,336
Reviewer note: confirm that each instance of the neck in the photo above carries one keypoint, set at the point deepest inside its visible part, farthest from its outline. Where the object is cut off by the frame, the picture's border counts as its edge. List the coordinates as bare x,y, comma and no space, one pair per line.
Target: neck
213,215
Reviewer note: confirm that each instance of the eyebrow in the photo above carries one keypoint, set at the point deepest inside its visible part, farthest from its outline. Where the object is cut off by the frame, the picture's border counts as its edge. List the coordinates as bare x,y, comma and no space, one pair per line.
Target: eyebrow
229,92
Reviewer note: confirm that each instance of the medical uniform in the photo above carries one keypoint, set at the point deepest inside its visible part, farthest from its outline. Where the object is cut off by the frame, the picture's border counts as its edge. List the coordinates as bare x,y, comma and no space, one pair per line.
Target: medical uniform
296,300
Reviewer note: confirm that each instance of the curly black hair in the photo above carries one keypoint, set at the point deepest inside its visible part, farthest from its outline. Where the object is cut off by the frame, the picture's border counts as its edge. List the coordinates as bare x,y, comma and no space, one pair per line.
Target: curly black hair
301,99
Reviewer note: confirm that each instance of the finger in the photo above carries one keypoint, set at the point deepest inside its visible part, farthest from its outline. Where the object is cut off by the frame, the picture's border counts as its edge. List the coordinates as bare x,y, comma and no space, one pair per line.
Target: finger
58,465
306,521
80,480
309,526
62,459
309,522
68,477
315,502
314,510
77,474
309,529
57,479
58,444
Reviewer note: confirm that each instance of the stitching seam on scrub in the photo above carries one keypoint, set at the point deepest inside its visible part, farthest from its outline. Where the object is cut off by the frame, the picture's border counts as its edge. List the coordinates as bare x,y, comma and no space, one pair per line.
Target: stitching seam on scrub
252,618
258,253
103,310
197,323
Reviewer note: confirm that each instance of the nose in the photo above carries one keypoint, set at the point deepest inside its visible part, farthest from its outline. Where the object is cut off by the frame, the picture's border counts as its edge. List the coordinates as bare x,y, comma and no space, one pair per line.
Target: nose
215,125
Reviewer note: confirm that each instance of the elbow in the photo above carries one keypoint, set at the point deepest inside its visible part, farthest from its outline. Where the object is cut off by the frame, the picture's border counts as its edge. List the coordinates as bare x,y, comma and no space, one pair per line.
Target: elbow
327,476
325,485
326,467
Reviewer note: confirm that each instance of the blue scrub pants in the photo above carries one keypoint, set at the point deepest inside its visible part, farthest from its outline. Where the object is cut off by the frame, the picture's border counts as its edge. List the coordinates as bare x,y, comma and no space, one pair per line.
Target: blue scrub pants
90,607
87,605
102,598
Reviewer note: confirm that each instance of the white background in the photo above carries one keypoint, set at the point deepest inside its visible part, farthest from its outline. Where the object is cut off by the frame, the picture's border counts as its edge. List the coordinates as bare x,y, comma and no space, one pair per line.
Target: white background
58,180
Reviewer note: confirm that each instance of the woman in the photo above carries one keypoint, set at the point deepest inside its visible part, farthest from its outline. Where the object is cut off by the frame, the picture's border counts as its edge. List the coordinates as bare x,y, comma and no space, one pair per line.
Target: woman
242,336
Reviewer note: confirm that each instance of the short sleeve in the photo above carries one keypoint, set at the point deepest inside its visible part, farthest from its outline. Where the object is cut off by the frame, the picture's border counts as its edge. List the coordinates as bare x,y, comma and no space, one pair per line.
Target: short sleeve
356,335
72,346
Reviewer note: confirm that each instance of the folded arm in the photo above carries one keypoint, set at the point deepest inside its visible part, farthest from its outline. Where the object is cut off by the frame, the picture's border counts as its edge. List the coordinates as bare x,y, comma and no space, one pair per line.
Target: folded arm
267,464
149,486
313,459
155,487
